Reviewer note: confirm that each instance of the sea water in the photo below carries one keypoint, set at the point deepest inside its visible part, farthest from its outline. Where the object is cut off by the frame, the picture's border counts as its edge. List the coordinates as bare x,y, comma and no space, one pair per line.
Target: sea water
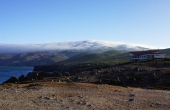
7,71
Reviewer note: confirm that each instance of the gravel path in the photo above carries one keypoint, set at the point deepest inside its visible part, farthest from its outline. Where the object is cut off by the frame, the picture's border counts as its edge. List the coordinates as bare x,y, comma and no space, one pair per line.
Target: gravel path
63,96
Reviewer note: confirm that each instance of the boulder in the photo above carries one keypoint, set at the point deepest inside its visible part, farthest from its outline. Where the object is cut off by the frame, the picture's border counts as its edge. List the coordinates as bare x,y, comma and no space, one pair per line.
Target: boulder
136,69
43,74
22,78
32,75
66,74
13,79
77,78
57,74
154,74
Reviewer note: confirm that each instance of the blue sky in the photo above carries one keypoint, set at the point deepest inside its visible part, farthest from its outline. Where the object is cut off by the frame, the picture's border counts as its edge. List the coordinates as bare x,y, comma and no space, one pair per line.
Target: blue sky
43,21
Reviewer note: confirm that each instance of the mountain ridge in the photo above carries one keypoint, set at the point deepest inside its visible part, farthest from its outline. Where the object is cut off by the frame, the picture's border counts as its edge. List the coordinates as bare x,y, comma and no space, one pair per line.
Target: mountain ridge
67,52
86,45
31,59
53,57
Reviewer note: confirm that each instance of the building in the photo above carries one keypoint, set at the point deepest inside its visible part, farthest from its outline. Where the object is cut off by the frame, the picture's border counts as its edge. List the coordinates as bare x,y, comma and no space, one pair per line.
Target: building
145,55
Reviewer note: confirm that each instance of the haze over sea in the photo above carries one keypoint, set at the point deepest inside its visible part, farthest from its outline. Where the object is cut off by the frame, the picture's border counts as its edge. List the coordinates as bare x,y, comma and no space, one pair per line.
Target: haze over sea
7,71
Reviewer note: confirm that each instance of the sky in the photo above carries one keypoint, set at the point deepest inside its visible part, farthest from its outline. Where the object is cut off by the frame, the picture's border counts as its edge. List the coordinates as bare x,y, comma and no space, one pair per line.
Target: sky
144,22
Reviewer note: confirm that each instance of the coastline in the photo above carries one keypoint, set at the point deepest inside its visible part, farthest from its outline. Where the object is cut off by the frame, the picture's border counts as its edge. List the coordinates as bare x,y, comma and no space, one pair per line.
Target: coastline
7,71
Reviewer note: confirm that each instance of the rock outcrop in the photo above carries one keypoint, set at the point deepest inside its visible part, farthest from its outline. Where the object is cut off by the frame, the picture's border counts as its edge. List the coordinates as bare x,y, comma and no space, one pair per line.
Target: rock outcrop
13,79
121,75
22,78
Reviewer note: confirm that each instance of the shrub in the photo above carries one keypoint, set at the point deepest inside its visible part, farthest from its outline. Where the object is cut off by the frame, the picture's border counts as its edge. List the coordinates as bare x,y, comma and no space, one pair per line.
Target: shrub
135,75
115,82
168,73
158,70
162,88
167,64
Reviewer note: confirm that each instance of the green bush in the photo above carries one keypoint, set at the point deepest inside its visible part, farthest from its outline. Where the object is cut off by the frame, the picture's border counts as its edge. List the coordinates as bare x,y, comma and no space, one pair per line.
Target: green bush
115,82
162,88
135,75
158,70
167,64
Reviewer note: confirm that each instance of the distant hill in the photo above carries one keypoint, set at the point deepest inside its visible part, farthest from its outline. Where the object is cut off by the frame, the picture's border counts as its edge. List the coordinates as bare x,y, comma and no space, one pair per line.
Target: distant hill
70,53
106,57
31,59
69,56
166,51
114,57
51,57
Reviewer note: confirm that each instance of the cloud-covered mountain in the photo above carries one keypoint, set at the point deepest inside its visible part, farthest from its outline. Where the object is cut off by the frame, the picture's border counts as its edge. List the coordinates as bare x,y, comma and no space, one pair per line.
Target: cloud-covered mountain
89,45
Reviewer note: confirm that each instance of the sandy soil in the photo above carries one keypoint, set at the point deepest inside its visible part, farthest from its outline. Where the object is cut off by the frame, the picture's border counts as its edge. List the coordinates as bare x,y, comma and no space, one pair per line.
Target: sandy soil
80,96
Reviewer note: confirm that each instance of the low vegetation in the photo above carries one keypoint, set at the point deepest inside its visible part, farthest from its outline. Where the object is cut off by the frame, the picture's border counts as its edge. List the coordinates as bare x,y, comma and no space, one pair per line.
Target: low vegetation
153,74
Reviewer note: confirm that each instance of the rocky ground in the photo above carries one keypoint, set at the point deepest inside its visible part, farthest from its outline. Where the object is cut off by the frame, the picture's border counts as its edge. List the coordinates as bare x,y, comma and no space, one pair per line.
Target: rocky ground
76,96
90,87
149,74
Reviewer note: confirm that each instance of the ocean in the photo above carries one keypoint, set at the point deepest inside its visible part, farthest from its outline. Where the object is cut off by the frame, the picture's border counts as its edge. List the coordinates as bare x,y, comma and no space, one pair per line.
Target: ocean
7,71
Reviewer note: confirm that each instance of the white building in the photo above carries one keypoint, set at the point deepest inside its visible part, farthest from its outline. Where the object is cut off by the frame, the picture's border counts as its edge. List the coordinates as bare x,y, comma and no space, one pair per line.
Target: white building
145,55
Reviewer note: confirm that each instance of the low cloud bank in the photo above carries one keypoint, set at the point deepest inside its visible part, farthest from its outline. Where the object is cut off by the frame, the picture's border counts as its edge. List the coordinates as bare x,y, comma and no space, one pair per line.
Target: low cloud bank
77,45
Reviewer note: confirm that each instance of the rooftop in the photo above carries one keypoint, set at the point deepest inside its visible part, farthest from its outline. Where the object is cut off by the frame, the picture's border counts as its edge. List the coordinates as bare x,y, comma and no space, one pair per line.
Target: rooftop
138,53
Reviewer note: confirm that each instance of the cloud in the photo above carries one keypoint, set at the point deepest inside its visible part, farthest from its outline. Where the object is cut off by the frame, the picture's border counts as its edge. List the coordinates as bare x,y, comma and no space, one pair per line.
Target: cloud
77,45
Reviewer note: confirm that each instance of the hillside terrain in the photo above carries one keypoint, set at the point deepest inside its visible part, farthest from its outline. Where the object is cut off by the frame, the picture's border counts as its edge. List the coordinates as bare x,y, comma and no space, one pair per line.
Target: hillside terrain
52,57
113,57
31,59
147,74
166,51
90,86
69,57
50,53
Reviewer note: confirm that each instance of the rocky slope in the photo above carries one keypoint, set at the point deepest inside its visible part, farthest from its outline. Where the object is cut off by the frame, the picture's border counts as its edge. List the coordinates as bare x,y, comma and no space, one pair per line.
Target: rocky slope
149,74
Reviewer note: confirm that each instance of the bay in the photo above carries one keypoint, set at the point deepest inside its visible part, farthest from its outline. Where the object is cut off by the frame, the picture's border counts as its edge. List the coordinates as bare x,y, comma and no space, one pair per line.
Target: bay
7,71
